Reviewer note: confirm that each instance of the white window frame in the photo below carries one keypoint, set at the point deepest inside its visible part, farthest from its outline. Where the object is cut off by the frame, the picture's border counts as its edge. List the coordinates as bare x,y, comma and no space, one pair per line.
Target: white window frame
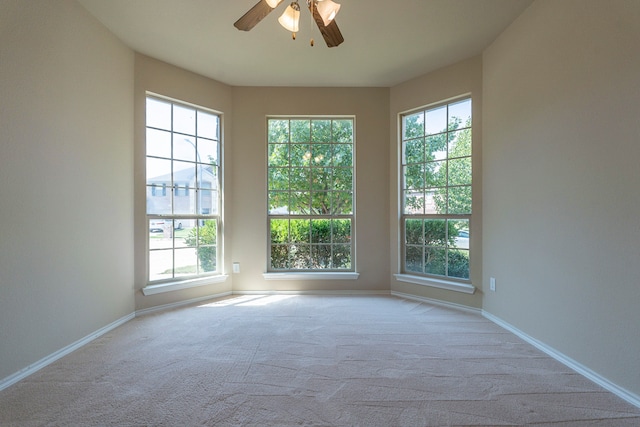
442,281
313,273
178,189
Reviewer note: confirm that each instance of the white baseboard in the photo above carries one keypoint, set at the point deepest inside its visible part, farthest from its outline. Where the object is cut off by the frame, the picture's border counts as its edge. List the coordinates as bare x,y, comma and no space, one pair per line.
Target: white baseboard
630,397
144,311
34,367
437,302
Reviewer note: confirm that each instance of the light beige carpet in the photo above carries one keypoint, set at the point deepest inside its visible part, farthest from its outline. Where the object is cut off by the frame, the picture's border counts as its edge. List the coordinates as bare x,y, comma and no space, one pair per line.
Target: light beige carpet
310,361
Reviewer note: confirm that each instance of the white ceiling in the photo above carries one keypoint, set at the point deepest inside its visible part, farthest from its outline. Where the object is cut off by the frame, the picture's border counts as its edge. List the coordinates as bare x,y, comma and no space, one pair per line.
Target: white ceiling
386,42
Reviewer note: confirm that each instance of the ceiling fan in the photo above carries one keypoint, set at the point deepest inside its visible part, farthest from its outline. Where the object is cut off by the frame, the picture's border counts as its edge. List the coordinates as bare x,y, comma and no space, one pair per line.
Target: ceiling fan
323,12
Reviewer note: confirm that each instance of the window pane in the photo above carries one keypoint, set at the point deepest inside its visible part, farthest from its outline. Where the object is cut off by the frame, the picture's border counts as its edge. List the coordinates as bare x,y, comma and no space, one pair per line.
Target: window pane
321,179
414,259
160,234
161,264
413,126
207,261
436,147
460,231
278,131
184,119
300,154
300,203
343,179
413,151
343,131
207,201
435,232
184,148
414,177
184,172
159,200
321,203
458,263
300,230
320,256
342,203
341,230
320,231
460,143
413,232
435,261
341,258
278,203
414,202
300,178
279,155
299,257
279,229
300,131
279,257
321,155
184,205
460,114
460,200
321,130
158,171
436,174
342,155
207,152
278,178
207,176
436,120
158,114
181,230
208,125
186,262
435,201
460,171
158,143
207,232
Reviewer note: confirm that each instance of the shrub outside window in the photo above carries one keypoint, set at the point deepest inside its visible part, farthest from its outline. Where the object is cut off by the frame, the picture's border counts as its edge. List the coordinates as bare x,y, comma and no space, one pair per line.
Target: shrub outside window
310,194
182,156
436,190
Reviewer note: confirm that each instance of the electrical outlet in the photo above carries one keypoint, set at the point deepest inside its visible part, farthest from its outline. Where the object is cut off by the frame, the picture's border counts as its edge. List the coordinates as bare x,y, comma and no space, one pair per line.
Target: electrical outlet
492,284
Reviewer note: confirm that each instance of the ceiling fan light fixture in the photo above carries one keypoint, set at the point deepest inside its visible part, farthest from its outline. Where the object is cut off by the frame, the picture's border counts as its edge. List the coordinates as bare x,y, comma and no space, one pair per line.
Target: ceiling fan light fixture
327,10
273,3
291,17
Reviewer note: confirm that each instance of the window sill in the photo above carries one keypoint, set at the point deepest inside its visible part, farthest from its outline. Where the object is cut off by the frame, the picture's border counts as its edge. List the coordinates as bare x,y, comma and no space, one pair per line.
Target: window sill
183,284
436,283
311,276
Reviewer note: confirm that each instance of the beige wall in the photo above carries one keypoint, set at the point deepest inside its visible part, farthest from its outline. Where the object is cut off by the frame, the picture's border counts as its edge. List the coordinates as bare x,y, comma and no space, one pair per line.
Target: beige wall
167,80
561,199
248,190
463,78
556,132
66,193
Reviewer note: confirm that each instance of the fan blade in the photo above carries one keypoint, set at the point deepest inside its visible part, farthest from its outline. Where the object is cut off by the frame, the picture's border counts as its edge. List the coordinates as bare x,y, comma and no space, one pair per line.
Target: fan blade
255,15
331,33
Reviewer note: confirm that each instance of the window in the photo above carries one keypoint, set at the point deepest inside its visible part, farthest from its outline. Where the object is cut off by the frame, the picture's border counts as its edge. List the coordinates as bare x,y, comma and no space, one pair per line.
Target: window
310,194
436,190
182,153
